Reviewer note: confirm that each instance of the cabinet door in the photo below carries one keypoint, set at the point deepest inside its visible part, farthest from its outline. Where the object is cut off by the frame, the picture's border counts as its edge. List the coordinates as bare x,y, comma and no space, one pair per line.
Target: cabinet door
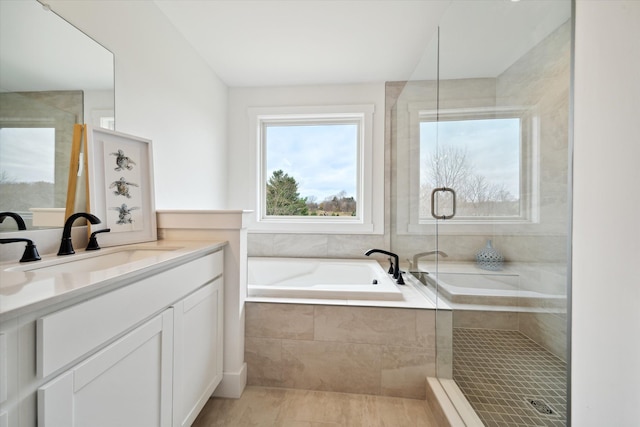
126,384
198,351
9,365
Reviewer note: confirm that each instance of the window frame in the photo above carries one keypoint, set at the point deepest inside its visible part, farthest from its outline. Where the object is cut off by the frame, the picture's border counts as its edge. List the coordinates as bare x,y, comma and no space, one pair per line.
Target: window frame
362,116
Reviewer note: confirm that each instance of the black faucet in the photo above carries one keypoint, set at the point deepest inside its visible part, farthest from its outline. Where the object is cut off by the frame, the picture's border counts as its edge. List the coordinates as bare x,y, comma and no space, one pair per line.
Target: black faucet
30,251
16,217
66,248
396,266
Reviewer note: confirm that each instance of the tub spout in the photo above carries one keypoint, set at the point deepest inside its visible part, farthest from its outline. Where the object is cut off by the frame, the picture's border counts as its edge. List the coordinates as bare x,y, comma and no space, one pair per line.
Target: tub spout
416,257
396,265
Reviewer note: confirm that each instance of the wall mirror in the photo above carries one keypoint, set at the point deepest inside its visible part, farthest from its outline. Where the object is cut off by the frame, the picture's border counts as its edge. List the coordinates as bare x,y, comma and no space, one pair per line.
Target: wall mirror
52,76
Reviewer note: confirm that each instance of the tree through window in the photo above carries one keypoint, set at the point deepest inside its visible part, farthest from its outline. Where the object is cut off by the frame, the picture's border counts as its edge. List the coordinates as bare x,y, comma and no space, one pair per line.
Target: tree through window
312,168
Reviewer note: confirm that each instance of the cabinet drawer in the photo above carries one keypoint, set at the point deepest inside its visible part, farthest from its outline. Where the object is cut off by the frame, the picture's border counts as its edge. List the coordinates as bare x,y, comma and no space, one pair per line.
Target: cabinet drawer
66,335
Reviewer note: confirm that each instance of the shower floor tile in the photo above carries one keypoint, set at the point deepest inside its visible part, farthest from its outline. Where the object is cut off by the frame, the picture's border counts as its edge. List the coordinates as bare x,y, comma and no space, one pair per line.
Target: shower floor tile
505,376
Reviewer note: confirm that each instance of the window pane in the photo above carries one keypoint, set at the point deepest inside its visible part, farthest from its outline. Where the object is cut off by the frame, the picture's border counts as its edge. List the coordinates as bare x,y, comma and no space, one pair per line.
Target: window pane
27,168
479,159
311,169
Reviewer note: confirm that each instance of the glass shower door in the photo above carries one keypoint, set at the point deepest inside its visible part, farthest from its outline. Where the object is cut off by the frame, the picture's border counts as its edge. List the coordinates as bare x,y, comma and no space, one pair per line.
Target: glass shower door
501,143
480,202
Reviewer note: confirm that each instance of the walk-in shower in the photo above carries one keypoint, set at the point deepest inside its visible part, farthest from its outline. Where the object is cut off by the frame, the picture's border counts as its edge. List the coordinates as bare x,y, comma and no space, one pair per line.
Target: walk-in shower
479,145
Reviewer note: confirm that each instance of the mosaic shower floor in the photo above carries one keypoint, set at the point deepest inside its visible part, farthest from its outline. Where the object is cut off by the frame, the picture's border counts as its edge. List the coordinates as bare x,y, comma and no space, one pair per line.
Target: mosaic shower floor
509,379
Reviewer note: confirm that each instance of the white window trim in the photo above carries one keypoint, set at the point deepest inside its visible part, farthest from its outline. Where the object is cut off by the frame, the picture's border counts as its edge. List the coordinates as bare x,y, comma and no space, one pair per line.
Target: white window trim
408,220
370,205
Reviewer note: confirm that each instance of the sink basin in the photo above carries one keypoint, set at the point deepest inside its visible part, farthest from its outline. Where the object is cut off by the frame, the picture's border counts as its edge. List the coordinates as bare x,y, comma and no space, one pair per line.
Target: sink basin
88,262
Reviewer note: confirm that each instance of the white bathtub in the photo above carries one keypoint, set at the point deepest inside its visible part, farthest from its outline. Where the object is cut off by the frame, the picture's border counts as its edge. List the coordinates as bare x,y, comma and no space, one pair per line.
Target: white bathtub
320,278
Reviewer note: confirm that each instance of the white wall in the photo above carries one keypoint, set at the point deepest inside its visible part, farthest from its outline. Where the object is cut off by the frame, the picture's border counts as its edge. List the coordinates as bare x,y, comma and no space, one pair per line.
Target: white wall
164,92
606,221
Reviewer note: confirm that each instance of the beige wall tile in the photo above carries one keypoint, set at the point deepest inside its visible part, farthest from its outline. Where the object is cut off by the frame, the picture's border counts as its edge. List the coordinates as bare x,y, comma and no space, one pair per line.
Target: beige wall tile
546,329
331,366
405,369
372,325
426,326
506,320
291,321
264,361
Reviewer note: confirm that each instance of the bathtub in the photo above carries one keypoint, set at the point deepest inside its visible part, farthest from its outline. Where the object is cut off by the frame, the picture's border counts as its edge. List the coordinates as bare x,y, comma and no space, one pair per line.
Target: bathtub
320,278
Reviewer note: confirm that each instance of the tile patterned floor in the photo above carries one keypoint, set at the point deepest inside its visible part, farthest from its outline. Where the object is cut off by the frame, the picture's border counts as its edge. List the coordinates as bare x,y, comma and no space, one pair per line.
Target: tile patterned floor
267,407
499,371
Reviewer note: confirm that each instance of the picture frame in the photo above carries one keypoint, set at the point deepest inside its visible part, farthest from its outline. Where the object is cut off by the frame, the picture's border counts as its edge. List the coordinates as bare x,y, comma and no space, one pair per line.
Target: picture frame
121,188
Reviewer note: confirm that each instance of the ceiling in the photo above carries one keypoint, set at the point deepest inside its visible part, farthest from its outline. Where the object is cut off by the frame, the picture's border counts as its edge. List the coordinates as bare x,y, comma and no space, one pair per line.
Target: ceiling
294,42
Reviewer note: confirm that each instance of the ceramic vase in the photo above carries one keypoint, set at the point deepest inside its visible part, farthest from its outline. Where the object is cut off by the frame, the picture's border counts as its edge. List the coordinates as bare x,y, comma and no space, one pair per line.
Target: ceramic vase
488,258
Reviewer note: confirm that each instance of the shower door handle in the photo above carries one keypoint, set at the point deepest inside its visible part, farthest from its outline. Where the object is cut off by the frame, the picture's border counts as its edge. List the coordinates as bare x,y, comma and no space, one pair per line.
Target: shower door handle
435,214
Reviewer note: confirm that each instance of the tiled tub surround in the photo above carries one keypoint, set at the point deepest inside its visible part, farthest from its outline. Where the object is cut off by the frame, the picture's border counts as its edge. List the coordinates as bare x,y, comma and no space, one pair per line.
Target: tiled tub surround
369,350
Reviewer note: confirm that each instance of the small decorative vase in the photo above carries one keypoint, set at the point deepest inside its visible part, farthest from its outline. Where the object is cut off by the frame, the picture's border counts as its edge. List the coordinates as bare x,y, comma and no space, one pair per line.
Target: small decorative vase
489,258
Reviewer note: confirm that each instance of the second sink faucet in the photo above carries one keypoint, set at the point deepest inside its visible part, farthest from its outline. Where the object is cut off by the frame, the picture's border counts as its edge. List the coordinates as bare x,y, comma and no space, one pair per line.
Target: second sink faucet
66,248
16,217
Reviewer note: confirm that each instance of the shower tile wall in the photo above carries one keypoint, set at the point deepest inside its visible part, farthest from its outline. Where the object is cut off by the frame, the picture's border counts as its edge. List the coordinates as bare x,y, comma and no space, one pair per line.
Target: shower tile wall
370,350
314,245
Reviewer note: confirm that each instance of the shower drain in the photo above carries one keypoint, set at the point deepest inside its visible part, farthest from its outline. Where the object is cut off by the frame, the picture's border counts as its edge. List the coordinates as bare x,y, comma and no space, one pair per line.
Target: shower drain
541,406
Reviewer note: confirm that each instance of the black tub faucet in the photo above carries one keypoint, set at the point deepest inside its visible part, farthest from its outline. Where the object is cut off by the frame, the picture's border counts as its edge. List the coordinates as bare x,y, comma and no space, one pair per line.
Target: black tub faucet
30,251
16,217
66,248
396,266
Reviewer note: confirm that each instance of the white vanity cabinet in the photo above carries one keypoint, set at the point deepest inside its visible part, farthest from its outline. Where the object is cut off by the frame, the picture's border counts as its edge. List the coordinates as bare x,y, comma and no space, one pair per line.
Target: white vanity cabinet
145,354
128,383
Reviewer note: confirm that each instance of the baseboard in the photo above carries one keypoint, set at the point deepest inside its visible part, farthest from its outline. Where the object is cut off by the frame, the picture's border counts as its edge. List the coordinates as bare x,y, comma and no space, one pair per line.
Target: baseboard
232,384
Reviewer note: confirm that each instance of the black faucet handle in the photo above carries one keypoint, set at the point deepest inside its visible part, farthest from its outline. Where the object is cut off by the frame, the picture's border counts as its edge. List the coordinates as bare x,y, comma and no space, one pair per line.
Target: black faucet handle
30,250
390,266
93,241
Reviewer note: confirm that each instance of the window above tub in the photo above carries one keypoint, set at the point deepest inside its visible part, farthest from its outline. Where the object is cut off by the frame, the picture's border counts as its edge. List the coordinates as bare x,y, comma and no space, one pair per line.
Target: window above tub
316,169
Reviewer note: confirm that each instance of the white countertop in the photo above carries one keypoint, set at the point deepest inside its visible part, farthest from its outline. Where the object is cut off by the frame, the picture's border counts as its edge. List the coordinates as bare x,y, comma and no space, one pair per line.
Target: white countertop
25,291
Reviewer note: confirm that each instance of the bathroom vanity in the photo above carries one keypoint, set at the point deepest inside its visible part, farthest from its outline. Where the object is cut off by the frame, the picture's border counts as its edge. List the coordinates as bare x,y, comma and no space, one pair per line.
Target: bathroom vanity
133,339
